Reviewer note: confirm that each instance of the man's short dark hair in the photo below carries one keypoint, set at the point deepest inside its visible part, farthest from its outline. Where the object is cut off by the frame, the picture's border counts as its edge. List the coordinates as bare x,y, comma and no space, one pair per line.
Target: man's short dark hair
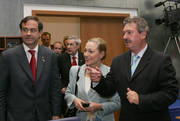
35,18
46,33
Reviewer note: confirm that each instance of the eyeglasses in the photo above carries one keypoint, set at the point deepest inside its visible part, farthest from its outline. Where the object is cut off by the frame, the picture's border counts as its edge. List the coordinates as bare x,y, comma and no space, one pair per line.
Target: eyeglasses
70,44
32,30
58,48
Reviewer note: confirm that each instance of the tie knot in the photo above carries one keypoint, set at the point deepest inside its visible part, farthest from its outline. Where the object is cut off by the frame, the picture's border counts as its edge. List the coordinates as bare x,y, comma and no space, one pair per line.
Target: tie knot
134,59
32,52
74,57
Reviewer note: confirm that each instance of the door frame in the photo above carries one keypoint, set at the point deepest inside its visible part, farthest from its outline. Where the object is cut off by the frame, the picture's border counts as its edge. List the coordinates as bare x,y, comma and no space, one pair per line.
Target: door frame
78,14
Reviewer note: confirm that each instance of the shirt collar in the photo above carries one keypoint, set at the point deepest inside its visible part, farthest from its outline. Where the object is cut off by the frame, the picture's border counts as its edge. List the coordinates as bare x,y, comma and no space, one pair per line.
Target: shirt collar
26,48
141,53
76,55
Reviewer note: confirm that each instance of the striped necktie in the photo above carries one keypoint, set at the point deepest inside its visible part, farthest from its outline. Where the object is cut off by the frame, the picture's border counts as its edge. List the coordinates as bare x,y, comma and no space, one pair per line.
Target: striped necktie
134,63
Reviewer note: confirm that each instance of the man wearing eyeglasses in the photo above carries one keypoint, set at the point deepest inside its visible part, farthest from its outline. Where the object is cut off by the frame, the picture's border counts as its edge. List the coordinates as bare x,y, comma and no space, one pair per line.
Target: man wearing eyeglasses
29,83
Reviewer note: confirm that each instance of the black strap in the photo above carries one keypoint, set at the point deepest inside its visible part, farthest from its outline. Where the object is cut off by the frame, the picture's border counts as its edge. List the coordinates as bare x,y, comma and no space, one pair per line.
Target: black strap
77,78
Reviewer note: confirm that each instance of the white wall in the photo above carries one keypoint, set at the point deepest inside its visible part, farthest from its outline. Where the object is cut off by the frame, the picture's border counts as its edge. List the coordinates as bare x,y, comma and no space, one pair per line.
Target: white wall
29,7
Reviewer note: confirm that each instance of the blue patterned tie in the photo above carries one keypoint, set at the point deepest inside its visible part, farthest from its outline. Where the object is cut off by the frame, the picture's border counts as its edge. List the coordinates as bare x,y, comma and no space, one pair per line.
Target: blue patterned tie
134,63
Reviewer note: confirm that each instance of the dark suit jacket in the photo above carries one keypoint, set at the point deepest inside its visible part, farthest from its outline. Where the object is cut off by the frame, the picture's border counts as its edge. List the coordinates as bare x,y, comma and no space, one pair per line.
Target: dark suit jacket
64,64
154,80
19,97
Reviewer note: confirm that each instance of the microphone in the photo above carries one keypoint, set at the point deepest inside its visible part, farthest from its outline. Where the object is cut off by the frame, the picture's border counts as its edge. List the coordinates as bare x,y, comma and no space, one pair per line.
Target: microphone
159,4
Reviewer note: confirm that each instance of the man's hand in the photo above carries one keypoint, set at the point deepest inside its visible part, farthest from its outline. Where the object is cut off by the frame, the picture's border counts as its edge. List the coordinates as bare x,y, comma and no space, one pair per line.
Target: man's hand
132,96
63,90
95,73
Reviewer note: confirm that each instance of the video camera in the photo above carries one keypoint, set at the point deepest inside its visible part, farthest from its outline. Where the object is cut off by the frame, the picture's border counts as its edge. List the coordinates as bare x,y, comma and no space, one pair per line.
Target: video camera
171,16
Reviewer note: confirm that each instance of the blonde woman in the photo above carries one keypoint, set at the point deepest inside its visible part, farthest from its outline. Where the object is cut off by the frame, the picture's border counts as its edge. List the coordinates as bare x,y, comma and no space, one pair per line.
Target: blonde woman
91,107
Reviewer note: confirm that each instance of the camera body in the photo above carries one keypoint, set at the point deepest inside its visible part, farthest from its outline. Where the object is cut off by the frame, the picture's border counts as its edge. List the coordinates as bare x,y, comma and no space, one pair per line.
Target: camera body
85,105
171,12
171,15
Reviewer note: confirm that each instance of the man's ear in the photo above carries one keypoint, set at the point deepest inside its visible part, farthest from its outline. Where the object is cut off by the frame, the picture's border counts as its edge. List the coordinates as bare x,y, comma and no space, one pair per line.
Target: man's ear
144,35
41,33
78,46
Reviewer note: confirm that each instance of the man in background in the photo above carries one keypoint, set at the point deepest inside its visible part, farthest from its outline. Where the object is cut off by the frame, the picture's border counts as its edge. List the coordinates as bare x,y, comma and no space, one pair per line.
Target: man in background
29,82
71,57
145,79
46,39
58,47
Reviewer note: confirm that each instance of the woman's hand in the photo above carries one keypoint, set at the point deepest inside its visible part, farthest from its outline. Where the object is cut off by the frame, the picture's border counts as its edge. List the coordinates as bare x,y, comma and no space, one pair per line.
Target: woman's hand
78,104
93,107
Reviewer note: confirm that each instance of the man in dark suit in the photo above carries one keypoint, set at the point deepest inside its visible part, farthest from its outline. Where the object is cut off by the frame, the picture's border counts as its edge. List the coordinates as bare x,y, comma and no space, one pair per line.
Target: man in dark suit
29,93
147,85
65,61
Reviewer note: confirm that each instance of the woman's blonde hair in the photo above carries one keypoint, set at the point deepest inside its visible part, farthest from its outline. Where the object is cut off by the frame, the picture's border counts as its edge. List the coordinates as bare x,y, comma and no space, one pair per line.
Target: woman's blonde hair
101,45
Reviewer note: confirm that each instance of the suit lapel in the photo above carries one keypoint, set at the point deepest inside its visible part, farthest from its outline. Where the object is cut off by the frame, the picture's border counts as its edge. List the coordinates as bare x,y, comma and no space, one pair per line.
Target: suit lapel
143,62
40,62
68,59
80,58
81,82
23,61
127,66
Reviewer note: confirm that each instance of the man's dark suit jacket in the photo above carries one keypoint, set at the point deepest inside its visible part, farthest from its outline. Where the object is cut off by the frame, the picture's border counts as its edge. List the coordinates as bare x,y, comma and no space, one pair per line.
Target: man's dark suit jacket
64,64
154,80
19,97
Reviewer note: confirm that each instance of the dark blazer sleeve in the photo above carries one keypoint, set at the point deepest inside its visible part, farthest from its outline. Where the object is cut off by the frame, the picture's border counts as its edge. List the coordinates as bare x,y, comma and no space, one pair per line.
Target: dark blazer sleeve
55,88
167,90
3,86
